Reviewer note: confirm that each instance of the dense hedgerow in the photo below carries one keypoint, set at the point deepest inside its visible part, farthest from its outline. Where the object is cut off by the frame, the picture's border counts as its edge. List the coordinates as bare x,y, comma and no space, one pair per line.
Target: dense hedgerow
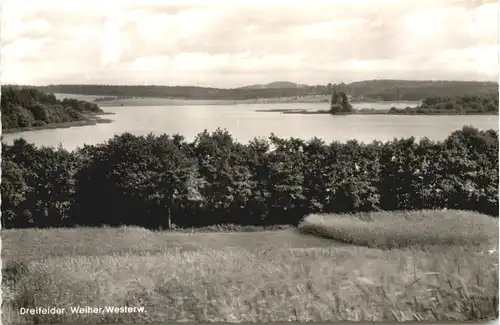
145,180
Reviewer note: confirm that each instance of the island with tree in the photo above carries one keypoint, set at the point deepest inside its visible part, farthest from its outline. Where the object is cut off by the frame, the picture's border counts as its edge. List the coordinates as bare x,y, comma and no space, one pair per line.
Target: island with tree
339,103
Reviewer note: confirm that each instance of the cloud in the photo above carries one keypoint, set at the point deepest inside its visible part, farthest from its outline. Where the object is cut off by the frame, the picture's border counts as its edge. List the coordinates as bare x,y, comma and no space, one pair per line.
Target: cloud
225,44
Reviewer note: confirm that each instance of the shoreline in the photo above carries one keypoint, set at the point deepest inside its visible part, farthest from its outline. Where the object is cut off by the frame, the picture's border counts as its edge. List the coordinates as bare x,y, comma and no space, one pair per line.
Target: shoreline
193,102
92,114
89,119
370,112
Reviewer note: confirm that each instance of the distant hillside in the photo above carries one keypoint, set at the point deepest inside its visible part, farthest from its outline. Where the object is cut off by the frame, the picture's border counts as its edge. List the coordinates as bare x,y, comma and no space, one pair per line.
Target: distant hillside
372,90
24,107
274,85
174,92
385,83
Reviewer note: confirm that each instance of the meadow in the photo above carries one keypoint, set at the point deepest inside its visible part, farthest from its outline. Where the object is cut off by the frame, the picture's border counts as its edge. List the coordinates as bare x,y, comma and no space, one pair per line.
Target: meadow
424,265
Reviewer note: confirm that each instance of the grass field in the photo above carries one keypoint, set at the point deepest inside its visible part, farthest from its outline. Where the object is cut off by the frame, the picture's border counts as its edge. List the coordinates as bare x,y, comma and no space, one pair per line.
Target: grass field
261,276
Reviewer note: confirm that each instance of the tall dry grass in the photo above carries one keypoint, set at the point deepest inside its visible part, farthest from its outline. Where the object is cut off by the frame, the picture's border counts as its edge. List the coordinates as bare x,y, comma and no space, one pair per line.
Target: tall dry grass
406,228
437,269
234,285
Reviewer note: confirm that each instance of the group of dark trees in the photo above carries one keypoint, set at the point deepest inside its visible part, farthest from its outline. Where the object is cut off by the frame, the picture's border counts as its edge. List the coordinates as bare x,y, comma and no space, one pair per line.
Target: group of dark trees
149,180
27,106
339,103
482,104
379,90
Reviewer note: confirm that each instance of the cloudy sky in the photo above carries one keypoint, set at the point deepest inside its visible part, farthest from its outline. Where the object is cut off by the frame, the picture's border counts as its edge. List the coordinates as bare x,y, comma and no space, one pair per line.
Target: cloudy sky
235,43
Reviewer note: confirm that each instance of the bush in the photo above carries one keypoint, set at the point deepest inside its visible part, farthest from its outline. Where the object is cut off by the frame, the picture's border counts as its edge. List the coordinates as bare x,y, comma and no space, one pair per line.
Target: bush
39,123
13,271
154,181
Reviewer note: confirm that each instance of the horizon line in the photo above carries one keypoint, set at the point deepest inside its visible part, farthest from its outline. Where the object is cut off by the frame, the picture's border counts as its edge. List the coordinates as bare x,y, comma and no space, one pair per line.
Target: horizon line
249,85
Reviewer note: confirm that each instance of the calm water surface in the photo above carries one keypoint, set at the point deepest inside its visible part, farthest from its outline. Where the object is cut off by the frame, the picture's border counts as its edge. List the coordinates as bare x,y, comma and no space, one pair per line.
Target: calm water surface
245,124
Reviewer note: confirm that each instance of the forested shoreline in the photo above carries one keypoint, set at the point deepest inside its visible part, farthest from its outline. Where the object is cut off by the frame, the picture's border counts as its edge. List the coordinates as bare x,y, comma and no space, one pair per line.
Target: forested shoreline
477,104
28,108
437,105
150,181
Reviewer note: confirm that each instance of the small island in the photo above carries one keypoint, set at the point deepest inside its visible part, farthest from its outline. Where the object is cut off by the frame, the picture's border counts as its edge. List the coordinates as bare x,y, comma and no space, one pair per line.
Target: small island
28,109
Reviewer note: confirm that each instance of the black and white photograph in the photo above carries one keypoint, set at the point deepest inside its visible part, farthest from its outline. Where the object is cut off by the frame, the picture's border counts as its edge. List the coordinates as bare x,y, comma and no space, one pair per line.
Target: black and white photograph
239,161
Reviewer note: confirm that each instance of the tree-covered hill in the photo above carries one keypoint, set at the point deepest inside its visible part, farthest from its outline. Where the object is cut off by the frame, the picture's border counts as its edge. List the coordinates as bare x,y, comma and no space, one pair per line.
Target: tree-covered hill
26,107
276,84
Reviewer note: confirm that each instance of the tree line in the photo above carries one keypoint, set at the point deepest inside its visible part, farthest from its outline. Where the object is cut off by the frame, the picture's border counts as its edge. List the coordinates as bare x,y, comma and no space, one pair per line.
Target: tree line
416,90
376,90
175,92
27,106
152,181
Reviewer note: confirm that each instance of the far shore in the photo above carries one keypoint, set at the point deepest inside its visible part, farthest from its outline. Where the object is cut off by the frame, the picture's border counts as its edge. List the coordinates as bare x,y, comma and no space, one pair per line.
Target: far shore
193,102
136,101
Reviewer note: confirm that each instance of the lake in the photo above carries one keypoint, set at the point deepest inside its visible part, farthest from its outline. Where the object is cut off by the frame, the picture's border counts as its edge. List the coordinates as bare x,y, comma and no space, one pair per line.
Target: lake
244,123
